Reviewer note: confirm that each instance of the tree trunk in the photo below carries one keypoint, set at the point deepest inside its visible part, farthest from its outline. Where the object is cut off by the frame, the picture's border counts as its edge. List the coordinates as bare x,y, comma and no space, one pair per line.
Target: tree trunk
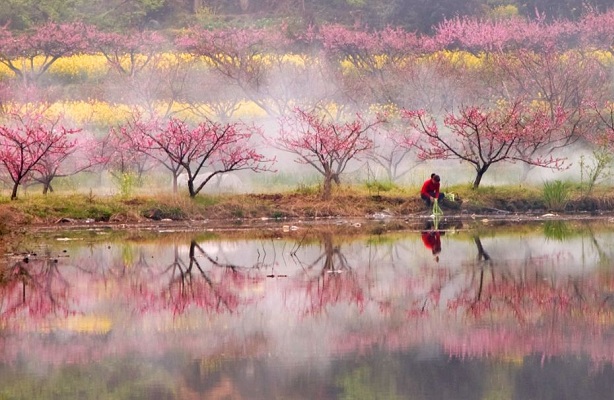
47,187
191,187
327,189
14,192
329,252
482,254
478,177
336,179
526,168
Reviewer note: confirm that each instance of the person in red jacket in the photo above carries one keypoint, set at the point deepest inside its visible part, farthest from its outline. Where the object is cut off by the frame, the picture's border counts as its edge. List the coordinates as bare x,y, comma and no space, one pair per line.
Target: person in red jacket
430,190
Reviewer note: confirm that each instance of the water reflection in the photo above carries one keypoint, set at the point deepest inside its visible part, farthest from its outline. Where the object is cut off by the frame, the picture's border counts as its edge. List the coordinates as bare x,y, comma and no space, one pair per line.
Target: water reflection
34,287
431,237
197,279
318,316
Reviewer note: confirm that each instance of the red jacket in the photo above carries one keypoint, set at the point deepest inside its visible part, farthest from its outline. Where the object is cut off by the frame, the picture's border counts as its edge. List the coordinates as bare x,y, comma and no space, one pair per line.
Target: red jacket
432,241
430,188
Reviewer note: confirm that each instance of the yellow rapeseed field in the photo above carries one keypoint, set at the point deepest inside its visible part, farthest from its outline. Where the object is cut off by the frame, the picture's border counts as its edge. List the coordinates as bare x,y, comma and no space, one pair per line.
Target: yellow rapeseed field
87,66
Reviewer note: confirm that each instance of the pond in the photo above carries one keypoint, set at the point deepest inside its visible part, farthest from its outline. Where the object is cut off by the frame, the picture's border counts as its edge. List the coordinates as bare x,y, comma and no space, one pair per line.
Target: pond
515,312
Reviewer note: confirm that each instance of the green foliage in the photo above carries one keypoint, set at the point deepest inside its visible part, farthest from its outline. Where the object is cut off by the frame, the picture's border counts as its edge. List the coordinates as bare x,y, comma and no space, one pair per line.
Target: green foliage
416,15
436,209
126,182
120,14
24,14
75,207
207,18
380,186
597,169
71,184
116,14
556,195
503,12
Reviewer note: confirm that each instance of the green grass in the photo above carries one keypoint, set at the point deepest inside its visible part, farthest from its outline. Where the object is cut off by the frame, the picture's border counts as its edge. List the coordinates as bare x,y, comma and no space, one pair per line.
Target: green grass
380,186
70,206
348,200
491,196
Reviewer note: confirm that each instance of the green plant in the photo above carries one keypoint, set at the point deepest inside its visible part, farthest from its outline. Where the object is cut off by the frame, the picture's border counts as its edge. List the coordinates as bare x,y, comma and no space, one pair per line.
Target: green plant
436,209
556,195
126,183
598,169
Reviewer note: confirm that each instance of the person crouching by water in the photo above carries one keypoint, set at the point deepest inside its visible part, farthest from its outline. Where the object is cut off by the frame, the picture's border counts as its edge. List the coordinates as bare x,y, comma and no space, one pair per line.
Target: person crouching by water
430,190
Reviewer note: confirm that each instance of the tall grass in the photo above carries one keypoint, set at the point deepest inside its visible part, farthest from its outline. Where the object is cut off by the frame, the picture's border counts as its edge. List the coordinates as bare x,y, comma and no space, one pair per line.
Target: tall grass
556,194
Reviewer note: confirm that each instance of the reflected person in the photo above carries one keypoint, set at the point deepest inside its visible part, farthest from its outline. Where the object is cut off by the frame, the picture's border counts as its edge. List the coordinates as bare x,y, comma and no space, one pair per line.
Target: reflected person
432,241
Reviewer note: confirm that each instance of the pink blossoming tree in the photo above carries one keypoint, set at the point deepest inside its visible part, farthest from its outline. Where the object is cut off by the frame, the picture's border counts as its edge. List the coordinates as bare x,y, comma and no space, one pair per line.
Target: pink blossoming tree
26,140
202,151
326,145
47,43
483,136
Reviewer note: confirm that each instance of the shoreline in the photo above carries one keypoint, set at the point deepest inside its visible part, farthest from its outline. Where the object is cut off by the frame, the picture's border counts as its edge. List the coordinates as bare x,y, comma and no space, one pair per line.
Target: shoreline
349,210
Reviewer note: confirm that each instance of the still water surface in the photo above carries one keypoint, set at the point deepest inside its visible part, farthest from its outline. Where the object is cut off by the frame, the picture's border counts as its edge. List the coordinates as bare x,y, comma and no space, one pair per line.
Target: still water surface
517,313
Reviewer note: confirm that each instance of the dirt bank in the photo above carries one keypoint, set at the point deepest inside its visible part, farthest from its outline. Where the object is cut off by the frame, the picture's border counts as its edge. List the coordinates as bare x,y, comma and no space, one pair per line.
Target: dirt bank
347,211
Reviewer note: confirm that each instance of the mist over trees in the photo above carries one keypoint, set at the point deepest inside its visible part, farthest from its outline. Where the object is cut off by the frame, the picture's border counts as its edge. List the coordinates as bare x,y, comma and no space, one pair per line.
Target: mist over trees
480,89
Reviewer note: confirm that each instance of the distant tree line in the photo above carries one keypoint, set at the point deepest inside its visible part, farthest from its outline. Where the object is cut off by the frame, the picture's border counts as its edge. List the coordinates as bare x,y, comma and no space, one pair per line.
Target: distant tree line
477,91
415,15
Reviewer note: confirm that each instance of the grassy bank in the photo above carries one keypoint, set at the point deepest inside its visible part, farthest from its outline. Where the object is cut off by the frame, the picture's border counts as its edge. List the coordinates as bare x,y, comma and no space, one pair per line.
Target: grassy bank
297,204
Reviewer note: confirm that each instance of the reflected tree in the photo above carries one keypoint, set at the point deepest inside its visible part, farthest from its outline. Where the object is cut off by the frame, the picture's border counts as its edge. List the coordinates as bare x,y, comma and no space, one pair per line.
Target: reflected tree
33,285
199,280
330,279
525,294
